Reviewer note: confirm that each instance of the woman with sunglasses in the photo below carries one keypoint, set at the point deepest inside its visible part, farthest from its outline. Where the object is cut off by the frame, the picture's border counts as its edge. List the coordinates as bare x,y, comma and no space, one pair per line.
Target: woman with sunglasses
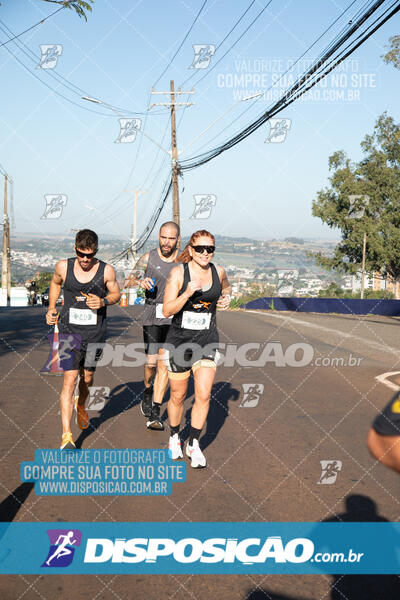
193,292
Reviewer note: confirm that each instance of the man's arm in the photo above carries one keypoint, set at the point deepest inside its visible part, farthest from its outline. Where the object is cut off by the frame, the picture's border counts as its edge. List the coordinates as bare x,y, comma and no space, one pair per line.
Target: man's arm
114,294
54,291
138,271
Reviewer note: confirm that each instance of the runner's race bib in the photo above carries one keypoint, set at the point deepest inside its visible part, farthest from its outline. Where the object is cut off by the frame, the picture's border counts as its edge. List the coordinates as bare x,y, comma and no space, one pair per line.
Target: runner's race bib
159,312
192,320
82,316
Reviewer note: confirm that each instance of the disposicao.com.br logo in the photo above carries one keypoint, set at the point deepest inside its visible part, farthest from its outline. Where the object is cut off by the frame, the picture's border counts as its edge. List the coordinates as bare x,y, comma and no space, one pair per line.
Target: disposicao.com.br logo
247,551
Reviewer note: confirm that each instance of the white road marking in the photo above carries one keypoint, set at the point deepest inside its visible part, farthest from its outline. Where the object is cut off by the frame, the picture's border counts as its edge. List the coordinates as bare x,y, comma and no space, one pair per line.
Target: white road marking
342,334
383,379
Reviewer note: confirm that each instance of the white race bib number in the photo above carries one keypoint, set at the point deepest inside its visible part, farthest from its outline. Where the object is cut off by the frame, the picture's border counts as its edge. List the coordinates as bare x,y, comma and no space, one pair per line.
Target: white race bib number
192,320
82,316
159,312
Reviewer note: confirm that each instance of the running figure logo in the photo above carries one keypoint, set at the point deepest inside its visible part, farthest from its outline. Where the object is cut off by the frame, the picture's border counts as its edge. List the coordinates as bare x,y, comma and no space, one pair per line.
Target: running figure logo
62,547
204,204
128,130
98,395
50,54
251,394
330,470
278,129
202,55
62,346
55,204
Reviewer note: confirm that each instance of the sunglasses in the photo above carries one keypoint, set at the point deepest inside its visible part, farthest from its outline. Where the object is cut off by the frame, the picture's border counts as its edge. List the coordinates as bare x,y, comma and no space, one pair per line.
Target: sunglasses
200,249
85,254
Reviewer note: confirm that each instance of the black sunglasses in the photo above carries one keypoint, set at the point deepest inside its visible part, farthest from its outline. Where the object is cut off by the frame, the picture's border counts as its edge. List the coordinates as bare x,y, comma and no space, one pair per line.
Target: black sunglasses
200,249
85,254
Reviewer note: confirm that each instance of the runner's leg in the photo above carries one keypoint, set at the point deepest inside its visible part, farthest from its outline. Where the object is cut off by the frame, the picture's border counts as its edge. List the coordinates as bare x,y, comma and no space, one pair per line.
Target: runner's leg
161,379
85,381
67,399
203,382
178,389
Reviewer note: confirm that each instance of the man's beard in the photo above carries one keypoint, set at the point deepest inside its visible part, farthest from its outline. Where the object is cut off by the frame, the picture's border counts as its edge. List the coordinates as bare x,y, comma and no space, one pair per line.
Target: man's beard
167,252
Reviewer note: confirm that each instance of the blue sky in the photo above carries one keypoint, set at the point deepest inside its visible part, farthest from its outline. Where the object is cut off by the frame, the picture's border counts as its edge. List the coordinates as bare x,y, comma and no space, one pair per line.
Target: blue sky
264,190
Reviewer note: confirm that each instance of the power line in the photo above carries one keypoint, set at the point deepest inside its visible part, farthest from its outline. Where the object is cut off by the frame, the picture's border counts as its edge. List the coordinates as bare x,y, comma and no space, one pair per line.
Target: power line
155,83
32,26
232,45
293,65
73,88
300,86
183,41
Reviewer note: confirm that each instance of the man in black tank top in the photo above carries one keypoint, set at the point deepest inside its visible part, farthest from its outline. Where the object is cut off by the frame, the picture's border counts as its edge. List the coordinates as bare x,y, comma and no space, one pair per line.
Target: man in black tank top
151,273
90,286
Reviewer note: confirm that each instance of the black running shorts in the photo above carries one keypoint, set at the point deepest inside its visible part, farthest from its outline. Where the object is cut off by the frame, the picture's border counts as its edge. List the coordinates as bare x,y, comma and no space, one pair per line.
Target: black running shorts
154,337
186,357
388,421
78,359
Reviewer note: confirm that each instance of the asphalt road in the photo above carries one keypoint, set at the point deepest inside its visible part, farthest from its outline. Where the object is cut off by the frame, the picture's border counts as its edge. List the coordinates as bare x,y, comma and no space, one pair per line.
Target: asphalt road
314,400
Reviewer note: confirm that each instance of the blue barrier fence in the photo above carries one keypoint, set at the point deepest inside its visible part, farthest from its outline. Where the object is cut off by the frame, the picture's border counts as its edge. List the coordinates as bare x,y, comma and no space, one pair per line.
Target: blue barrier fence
328,305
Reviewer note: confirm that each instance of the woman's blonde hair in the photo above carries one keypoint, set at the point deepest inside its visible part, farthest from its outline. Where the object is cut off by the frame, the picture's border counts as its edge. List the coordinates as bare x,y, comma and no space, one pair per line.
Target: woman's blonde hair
184,256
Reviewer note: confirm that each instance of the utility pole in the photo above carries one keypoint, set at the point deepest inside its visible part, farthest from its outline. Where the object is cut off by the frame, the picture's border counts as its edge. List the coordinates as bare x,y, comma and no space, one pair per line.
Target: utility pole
6,263
134,228
174,154
174,147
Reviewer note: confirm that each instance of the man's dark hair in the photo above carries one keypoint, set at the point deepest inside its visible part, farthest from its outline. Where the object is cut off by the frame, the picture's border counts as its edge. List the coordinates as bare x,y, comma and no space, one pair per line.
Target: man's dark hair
172,224
86,239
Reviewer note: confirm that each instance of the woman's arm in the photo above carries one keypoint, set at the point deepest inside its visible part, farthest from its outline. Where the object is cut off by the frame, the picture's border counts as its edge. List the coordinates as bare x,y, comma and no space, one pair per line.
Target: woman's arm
172,302
225,298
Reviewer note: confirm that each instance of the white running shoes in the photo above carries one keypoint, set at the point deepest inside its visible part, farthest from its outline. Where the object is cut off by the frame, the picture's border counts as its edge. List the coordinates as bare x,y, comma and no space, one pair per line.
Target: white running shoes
195,454
174,447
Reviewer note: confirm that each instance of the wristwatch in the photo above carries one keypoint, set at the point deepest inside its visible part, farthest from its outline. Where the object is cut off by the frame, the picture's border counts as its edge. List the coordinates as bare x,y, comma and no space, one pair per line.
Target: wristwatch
106,302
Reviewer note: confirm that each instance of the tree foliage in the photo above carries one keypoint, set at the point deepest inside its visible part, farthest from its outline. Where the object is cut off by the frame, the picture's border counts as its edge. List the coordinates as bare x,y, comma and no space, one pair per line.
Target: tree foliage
393,54
81,7
376,176
43,280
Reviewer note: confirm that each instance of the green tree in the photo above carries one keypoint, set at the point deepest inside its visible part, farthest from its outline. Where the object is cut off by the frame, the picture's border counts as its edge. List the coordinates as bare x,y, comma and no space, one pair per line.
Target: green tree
393,54
79,6
43,281
376,176
255,291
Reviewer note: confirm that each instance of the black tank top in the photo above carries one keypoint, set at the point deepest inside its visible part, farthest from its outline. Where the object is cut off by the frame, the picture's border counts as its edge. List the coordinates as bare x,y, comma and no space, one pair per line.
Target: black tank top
76,317
196,321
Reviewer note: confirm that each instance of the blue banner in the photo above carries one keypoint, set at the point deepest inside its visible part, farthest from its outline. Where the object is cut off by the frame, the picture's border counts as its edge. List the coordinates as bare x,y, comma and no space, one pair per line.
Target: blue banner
344,306
200,548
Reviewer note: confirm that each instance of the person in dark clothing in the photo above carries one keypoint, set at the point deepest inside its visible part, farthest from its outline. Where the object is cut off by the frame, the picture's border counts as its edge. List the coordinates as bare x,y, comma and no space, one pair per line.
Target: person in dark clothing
194,291
151,273
384,436
90,286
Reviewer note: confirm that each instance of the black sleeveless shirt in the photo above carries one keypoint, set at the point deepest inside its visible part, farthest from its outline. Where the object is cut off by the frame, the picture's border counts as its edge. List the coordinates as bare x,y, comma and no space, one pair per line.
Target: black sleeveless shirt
196,321
76,317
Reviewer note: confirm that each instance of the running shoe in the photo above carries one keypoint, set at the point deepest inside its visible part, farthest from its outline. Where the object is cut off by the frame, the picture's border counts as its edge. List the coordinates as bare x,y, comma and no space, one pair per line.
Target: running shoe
154,421
82,418
147,402
67,441
195,454
174,447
